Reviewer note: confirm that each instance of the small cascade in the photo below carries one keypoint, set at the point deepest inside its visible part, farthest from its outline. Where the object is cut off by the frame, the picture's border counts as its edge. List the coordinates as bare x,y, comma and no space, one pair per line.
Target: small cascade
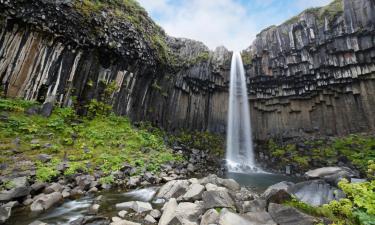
240,155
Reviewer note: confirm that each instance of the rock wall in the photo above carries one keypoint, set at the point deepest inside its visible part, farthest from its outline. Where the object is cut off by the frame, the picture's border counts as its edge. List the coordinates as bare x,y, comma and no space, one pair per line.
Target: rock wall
314,74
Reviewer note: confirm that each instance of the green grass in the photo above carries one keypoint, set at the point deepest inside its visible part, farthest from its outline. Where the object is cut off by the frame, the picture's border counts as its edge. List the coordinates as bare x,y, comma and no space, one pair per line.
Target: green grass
101,143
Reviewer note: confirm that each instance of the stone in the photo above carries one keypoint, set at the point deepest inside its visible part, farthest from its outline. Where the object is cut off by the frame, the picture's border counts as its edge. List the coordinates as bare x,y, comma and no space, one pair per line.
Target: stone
286,215
20,189
315,192
230,184
55,187
37,187
91,220
257,205
124,222
213,199
122,213
155,213
38,222
94,209
191,168
134,181
44,158
169,210
150,219
229,218
173,189
188,212
137,206
6,211
211,216
331,175
85,182
284,185
45,201
279,196
47,109
194,192
259,218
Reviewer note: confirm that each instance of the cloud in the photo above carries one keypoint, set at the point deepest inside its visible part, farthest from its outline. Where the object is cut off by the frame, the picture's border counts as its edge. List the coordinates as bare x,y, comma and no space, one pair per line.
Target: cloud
232,23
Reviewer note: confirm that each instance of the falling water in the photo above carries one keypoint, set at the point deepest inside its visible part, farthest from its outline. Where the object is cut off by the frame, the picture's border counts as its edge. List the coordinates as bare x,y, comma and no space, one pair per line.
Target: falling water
240,157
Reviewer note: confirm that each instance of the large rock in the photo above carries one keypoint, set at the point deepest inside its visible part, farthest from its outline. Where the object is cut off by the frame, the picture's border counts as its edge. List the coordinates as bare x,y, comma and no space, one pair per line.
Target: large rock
211,216
331,175
285,215
187,212
124,222
169,210
173,189
284,185
259,218
45,202
227,183
315,192
257,205
137,206
194,192
20,188
6,211
229,218
213,199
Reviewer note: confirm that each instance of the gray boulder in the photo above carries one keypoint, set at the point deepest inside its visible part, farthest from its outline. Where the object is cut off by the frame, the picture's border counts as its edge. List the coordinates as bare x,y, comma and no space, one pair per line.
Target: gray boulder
194,192
285,215
44,202
331,175
6,211
20,188
213,199
211,216
229,218
137,206
284,185
173,189
257,205
187,212
259,218
150,219
169,210
55,187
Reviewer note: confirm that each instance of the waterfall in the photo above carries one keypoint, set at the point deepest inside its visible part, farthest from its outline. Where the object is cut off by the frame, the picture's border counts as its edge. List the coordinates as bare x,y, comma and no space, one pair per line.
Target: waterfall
240,156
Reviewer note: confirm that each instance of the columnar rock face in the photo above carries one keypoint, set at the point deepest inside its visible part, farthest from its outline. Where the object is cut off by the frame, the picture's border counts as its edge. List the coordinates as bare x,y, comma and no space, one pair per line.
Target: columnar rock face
313,75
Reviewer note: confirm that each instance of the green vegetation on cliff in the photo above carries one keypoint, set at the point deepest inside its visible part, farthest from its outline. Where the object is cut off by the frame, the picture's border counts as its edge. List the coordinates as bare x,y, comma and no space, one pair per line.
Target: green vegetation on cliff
102,143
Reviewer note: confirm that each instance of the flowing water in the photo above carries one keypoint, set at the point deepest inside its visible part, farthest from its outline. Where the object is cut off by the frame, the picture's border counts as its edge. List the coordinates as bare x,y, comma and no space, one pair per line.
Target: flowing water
240,156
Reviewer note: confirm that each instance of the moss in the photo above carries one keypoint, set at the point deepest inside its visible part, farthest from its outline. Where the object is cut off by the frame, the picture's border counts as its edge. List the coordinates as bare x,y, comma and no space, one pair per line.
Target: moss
247,57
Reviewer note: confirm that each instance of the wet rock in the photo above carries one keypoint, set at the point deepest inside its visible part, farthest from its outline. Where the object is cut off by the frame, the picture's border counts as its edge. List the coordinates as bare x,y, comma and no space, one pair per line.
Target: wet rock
123,213
137,206
6,211
194,192
211,216
286,215
45,202
94,209
91,220
315,192
20,188
55,187
134,181
173,189
169,210
213,199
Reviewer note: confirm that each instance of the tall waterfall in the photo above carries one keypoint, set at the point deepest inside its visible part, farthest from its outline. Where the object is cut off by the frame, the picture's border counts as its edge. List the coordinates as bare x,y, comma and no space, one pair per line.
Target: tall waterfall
240,156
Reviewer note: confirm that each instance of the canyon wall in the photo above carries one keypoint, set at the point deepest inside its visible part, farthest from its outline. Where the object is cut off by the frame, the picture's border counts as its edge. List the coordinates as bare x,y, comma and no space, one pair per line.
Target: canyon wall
313,75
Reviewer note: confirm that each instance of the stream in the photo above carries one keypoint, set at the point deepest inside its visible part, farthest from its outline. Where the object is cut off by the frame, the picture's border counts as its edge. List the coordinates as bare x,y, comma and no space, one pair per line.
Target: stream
71,210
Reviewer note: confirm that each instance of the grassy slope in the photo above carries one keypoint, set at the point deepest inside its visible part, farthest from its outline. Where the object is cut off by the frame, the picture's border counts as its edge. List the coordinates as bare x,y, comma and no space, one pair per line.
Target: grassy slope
102,144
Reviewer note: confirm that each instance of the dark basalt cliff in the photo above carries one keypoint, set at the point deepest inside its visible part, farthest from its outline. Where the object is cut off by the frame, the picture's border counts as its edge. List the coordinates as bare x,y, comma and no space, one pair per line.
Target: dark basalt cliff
313,75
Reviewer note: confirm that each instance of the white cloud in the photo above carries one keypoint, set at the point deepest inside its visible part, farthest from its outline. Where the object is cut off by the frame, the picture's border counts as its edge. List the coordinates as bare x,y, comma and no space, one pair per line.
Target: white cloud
222,22
214,22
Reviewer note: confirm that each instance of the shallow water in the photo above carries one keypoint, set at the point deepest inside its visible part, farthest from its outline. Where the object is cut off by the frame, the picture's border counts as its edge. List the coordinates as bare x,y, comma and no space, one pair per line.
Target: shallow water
260,181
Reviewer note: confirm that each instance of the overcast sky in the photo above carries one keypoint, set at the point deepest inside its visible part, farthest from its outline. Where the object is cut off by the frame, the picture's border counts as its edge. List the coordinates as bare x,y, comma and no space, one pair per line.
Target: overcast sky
232,23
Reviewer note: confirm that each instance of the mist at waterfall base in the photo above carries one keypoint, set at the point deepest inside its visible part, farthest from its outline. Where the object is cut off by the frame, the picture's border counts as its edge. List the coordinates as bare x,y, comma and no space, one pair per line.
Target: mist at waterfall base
239,152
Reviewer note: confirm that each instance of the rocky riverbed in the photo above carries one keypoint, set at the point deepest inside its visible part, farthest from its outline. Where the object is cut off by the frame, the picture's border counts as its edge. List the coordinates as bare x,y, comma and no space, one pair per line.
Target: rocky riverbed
208,200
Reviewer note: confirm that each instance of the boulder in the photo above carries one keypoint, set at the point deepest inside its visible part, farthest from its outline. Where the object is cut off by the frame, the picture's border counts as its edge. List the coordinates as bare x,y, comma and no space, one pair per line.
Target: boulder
279,197
331,175
213,199
286,215
173,189
38,222
211,216
227,183
155,213
259,218
150,219
229,218
85,182
188,212
44,202
44,158
284,185
315,192
6,211
194,192
137,206
20,188
94,209
257,205
55,187
122,213
169,210
47,109
91,220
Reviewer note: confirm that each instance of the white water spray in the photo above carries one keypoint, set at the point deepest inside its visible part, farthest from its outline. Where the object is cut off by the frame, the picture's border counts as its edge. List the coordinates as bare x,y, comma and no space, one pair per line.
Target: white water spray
240,156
